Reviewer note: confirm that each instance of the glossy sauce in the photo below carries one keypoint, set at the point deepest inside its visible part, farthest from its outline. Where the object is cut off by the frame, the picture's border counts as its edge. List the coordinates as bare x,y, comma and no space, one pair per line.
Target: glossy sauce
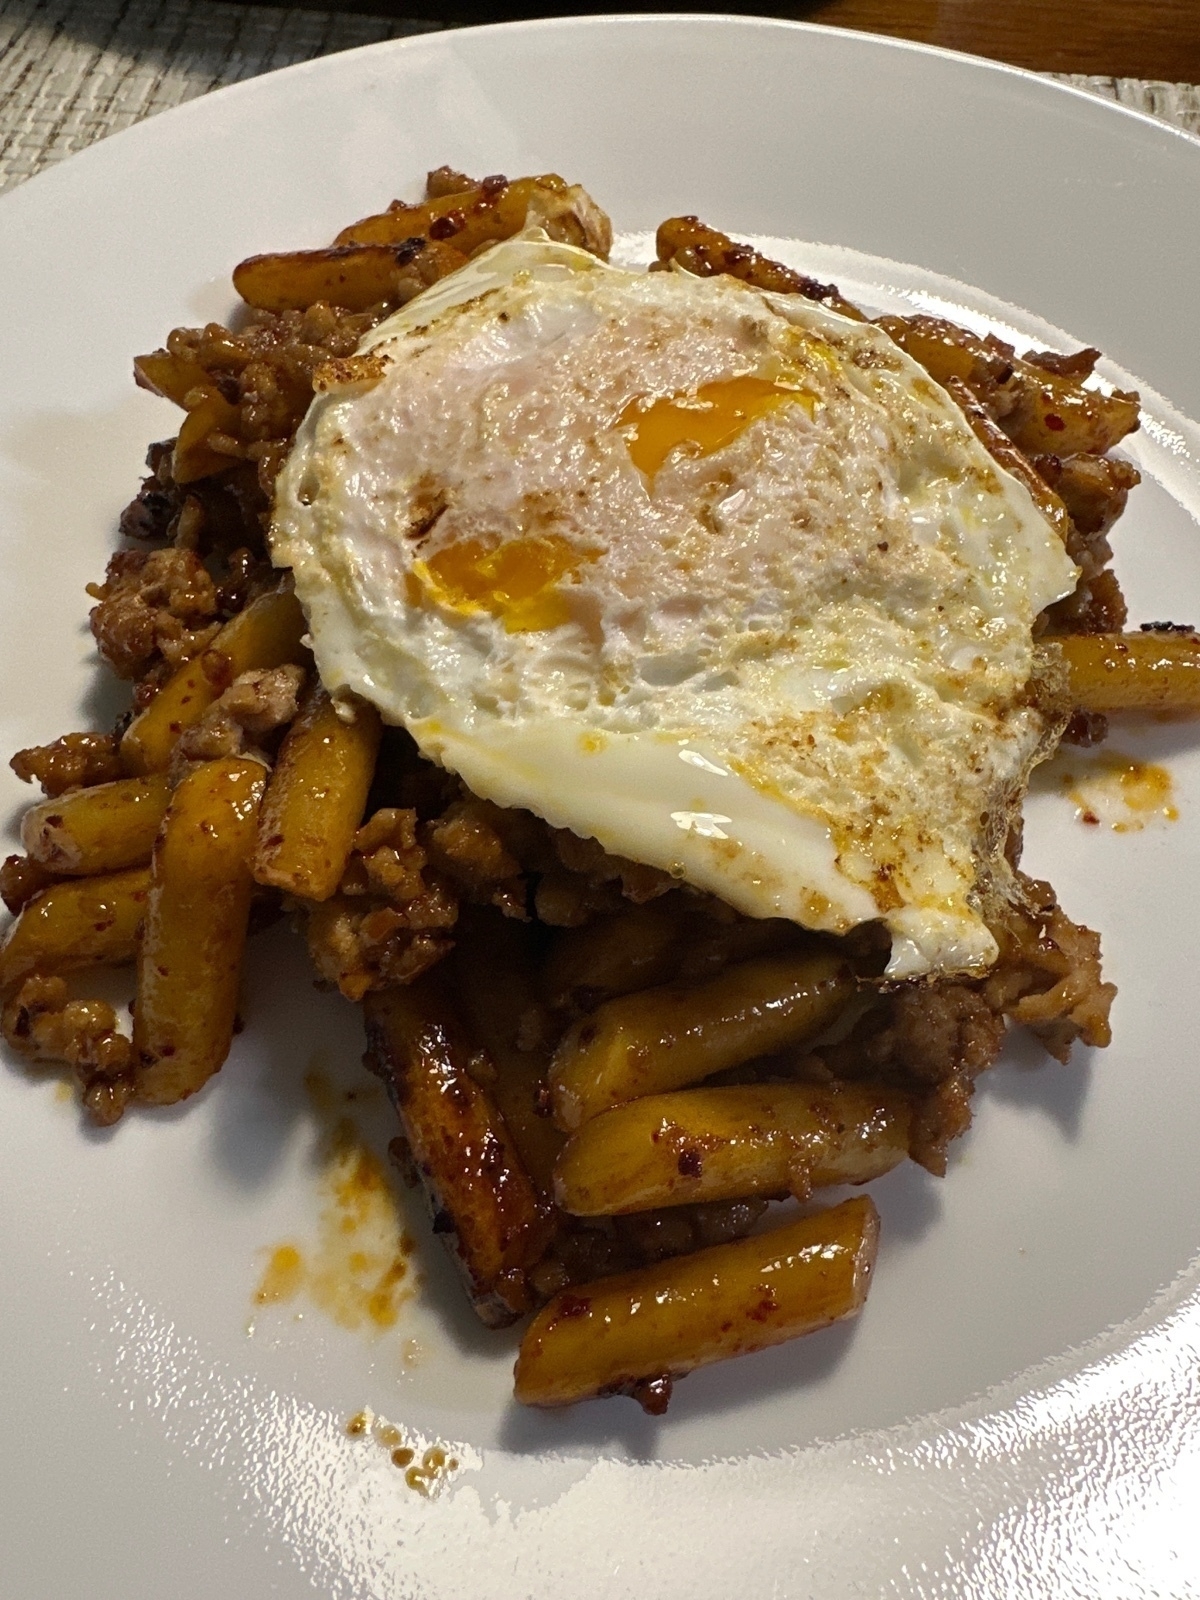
359,1269
283,1276
425,1467
1117,791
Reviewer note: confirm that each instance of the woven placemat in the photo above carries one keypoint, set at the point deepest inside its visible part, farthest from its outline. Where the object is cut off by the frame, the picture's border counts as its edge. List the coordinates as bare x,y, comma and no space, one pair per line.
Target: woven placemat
72,71
1176,103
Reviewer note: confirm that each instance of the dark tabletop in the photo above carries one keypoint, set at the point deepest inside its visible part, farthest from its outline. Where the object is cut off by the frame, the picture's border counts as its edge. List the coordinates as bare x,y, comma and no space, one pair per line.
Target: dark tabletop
1117,38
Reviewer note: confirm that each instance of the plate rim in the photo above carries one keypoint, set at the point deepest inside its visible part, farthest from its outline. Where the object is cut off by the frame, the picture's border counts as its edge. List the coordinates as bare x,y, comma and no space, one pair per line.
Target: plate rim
432,38
413,41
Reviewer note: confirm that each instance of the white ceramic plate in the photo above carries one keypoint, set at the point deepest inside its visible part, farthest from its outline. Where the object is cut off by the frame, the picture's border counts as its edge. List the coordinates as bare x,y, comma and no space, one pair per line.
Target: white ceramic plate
1016,1412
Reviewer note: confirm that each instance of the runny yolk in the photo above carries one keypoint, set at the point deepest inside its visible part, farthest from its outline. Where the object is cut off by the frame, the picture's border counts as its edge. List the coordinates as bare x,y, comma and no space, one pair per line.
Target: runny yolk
704,421
516,581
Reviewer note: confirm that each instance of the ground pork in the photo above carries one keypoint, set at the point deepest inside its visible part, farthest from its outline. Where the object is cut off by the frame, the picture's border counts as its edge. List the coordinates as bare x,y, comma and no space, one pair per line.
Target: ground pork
389,921
1095,606
255,705
1048,976
359,948
265,372
1094,489
153,606
75,761
510,858
466,842
21,880
935,1041
444,181
1080,364
588,859
386,859
218,518
42,1024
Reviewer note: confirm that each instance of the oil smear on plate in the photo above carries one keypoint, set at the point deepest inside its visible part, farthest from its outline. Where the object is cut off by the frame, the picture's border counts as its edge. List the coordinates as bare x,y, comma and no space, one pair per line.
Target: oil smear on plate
1112,790
359,1269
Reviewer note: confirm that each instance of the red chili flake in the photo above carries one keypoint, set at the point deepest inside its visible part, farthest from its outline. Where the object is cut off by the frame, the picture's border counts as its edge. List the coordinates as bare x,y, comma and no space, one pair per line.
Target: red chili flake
690,1164
408,250
572,1305
1090,818
447,226
653,1394
1055,424
766,1307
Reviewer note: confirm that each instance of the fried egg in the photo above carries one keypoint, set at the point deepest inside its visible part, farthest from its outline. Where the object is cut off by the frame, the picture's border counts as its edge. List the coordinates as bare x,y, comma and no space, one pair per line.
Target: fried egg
715,576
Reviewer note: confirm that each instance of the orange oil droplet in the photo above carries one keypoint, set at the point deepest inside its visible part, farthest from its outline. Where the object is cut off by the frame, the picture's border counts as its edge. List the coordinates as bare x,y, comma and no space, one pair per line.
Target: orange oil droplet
282,1277
1116,782
425,1471
1147,787
358,1271
706,421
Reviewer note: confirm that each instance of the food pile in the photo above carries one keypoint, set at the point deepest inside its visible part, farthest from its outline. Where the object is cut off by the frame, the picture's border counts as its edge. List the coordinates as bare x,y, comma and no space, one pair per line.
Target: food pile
572,654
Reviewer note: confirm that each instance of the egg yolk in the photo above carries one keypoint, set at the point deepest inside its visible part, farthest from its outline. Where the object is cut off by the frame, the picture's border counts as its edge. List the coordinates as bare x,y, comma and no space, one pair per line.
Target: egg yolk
704,421
516,581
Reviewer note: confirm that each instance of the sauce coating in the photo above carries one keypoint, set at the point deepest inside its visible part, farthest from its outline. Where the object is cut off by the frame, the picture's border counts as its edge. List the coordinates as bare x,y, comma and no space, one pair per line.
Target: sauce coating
1121,792
359,1270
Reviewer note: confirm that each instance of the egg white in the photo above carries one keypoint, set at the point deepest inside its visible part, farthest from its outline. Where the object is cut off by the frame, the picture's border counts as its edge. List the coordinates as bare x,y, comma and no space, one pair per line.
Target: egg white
792,671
